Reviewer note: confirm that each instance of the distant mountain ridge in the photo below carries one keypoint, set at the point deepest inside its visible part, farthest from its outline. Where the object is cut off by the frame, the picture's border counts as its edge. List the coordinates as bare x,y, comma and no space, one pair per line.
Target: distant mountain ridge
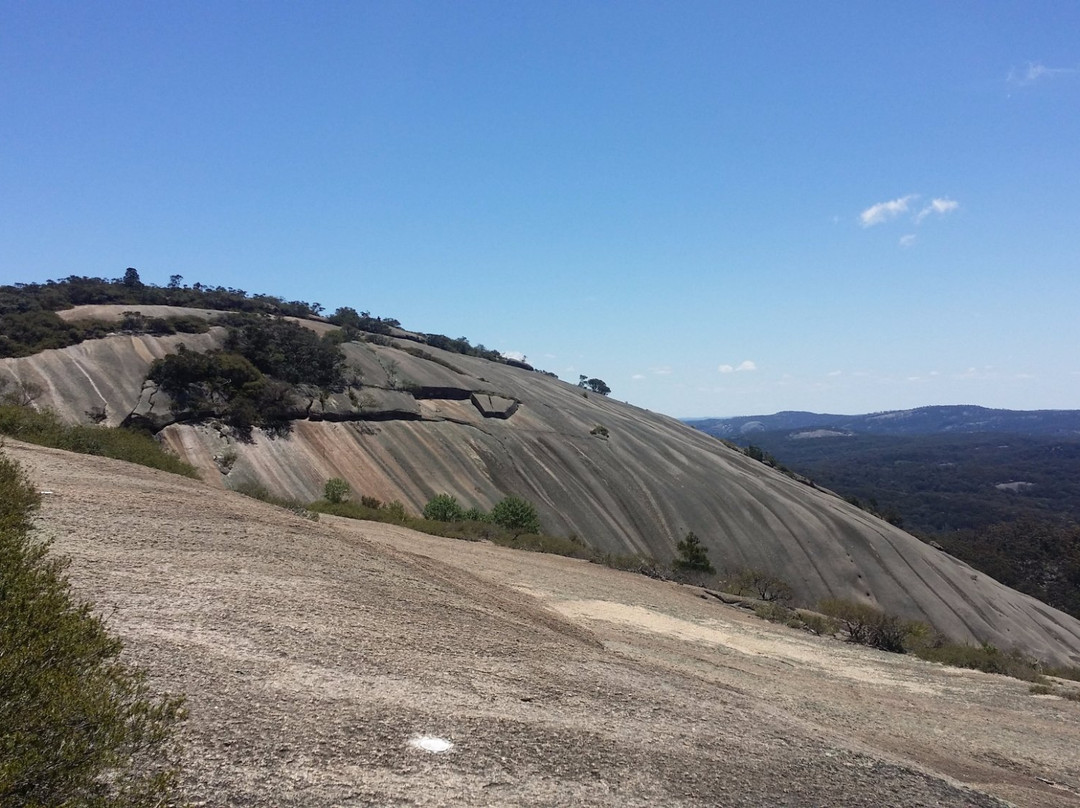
919,421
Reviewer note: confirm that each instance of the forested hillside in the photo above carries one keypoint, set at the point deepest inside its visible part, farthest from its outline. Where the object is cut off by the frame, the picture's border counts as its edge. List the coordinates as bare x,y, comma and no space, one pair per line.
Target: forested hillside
1006,503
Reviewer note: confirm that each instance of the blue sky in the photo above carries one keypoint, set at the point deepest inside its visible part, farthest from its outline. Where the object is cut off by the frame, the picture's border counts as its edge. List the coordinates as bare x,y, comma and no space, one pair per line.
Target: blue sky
717,208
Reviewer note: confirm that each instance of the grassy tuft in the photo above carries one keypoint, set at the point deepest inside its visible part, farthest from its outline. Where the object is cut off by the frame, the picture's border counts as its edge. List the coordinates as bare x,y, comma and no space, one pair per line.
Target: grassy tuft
261,493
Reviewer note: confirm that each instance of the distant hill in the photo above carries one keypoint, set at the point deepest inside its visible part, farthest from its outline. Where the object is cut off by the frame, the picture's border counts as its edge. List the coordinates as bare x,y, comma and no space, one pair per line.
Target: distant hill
962,419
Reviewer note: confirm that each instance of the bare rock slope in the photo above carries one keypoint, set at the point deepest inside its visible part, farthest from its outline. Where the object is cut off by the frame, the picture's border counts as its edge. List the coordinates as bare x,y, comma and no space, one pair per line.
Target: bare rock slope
424,421
316,656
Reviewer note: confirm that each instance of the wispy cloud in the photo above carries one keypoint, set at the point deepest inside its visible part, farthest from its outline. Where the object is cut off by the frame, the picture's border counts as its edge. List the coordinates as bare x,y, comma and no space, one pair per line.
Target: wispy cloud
663,370
518,355
1036,71
637,377
883,211
742,367
939,206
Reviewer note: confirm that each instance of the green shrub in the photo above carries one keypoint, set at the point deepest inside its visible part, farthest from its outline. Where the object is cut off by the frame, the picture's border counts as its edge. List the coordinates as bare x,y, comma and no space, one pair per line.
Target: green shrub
475,514
262,493
77,725
1071,672
516,515
443,508
540,543
600,430
987,658
370,502
396,511
816,623
776,613
336,490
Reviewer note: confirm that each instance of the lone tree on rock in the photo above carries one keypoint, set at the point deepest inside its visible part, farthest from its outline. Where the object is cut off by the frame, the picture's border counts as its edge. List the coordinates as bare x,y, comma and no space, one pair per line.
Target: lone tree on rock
693,555
595,385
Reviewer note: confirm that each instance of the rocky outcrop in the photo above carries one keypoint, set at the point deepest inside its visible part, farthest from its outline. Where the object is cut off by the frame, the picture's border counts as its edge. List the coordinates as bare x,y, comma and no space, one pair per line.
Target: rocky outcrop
639,491
494,406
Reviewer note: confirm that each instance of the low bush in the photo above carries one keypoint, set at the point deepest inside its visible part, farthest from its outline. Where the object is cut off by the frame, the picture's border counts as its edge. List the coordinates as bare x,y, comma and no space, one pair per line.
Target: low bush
78,726
516,515
865,625
757,584
775,613
336,490
541,543
987,658
816,623
261,493
641,564
475,514
45,428
1071,672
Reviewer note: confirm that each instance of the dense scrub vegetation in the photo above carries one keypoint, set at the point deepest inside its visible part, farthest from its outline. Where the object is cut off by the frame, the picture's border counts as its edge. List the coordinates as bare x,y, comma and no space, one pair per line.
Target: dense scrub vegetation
251,382
1037,556
29,323
77,725
46,429
941,483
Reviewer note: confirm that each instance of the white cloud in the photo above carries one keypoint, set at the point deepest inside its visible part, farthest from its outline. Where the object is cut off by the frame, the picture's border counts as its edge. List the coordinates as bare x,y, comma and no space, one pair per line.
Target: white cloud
1036,71
938,206
663,370
744,366
908,240
835,373
883,211
518,355
638,377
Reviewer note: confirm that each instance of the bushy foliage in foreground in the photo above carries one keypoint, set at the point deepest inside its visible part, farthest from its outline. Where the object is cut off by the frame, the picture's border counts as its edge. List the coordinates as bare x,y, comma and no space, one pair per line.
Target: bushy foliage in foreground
78,727
46,429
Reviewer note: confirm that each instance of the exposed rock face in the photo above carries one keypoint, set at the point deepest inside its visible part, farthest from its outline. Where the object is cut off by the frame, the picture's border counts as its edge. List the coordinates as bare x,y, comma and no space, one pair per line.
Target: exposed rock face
498,430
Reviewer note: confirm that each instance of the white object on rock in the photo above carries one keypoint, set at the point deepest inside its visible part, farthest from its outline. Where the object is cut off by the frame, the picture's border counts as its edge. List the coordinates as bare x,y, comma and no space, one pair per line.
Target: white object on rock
429,743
